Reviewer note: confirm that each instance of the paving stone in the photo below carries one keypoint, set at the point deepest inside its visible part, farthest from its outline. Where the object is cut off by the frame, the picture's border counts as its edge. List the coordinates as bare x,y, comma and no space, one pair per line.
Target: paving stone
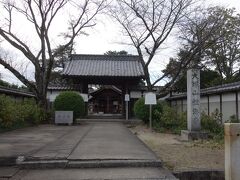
8,172
98,174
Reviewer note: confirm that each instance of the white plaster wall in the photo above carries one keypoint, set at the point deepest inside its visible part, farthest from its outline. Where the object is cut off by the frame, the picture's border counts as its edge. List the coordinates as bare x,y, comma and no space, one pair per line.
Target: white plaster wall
174,104
204,108
204,100
184,105
179,106
135,94
204,105
52,95
214,103
228,106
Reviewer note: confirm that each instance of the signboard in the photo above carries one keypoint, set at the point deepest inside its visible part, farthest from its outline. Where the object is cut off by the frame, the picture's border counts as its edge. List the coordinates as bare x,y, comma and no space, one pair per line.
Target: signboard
150,98
63,117
127,97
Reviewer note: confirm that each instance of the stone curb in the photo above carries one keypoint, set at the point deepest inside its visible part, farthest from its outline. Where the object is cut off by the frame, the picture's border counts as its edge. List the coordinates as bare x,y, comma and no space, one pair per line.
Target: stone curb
200,174
114,163
43,164
109,121
8,161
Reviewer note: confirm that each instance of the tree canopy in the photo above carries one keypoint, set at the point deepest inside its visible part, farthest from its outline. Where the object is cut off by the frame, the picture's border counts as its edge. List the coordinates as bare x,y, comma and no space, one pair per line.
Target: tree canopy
41,16
116,53
211,42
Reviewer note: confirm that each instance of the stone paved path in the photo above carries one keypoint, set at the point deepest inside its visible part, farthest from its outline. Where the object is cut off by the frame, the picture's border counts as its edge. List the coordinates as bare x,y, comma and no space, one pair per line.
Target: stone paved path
101,142
110,141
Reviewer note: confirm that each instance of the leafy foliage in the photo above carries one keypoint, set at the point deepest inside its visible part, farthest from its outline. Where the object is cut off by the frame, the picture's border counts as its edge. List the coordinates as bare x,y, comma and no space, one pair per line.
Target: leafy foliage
16,114
208,78
224,55
14,86
70,101
211,41
170,120
116,53
142,111
213,124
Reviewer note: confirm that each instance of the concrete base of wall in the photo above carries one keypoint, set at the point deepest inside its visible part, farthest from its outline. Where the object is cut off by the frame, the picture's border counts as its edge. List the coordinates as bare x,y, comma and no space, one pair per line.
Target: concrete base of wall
187,135
200,175
232,151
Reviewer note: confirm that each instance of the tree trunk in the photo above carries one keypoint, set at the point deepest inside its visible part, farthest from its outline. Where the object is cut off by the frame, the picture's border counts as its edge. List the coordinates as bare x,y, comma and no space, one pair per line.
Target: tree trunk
147,78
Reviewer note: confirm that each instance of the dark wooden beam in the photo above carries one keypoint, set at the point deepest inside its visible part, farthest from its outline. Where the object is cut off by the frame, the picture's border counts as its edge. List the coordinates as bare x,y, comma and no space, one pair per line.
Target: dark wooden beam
221,106
208,105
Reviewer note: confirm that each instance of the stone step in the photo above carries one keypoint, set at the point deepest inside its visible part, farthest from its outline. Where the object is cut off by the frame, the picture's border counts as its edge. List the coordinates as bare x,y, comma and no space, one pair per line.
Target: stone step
132,173
58,163
7,161
131,121
113,163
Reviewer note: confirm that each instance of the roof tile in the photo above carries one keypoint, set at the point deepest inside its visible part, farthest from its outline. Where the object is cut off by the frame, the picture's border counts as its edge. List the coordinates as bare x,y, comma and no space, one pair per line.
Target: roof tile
103,65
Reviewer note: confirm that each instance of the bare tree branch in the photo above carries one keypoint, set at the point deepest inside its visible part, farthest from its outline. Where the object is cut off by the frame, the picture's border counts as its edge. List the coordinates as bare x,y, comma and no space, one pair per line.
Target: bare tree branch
148,24
41,14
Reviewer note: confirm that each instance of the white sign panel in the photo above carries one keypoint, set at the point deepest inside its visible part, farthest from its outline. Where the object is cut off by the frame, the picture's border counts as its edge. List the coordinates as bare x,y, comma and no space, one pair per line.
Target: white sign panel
150,98
127,97
85,97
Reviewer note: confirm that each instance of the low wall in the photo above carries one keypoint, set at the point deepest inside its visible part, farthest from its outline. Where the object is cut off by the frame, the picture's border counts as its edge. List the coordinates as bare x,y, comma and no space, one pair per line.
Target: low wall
200,175
232,151
227,103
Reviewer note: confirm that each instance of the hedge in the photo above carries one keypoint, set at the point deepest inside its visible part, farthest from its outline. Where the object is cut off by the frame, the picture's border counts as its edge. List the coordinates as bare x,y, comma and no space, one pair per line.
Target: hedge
18,114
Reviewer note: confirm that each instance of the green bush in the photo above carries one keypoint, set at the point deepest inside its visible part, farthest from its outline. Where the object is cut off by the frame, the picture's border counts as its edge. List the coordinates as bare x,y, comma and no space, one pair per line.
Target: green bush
18,114
8,112
31,112
233,119
141,110
70,101
213,124
170,120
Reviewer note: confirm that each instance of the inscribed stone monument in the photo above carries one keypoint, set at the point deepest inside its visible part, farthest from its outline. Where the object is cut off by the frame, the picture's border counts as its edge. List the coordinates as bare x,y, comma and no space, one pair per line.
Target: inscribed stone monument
193,107
193,100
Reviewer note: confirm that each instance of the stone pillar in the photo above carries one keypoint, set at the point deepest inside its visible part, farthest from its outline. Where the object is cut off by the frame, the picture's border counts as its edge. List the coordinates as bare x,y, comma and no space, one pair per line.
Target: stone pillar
232,151
193,107
193,100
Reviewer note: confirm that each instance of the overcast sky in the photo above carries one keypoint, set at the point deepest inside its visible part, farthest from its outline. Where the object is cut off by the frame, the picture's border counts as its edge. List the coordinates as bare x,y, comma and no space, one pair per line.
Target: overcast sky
106,35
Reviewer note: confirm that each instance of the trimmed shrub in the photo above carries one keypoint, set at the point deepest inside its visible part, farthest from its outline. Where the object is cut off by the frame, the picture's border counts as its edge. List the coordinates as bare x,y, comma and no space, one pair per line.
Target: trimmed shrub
70,101
141,110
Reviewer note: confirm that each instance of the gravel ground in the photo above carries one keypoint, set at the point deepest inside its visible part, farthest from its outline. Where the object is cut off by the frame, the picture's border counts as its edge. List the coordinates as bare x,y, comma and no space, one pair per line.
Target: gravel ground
182,156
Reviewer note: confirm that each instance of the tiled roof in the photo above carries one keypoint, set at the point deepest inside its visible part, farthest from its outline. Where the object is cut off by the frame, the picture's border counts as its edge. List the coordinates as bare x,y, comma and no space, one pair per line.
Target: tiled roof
103,65
114,88
16,92
230,87
63,86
